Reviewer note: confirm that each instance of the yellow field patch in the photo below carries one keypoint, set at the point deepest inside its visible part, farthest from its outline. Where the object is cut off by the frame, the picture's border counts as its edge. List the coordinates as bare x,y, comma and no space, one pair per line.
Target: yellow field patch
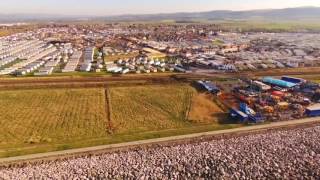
204,110
43,116
149,108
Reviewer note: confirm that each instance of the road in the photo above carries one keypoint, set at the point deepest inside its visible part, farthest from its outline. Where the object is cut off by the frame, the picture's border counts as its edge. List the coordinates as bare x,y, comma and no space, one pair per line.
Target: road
163,141
143,79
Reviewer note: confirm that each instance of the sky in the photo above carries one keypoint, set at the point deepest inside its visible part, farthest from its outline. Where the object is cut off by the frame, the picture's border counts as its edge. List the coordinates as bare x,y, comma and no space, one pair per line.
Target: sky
116,7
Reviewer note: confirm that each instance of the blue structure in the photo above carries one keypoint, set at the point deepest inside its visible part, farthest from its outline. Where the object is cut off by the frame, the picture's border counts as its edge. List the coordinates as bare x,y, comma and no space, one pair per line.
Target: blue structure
293,79
242,117
246,114
313,111
234,113
278,82
257,118
244,108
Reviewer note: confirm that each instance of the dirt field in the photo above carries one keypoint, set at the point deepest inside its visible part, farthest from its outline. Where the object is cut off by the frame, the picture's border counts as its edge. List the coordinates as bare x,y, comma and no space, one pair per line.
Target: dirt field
203,110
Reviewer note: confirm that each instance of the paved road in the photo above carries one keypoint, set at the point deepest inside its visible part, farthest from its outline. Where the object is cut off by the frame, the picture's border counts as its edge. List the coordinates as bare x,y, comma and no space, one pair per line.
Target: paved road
159,140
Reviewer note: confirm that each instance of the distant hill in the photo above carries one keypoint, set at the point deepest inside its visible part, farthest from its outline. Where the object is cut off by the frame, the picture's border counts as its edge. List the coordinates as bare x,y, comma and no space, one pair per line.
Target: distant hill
276,15
288,14
12,18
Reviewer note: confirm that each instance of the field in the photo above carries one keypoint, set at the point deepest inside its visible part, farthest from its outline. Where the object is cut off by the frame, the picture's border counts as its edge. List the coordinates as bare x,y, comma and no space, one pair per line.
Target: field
156,108
43,120
248,25
6,31
203,110
32,117
149,108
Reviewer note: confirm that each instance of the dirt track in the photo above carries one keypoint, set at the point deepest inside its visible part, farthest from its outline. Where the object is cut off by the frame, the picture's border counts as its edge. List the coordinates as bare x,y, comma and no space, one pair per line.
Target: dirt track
80,82
150,78
83,82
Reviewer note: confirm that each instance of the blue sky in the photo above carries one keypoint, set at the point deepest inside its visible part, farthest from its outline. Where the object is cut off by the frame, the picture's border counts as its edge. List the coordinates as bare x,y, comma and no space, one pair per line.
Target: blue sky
112,7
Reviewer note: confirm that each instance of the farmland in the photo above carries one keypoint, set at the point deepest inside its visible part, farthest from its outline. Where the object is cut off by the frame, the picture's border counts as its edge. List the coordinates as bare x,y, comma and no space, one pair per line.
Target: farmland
155,108
31,118
149,108
6,31
43,120
203,110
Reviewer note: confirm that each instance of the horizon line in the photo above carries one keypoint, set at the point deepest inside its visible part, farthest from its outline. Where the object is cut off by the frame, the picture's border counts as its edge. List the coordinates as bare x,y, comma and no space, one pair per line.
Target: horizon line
156,13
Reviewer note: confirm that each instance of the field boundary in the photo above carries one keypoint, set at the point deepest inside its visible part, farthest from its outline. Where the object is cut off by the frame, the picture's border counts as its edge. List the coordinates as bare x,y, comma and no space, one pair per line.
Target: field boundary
189,105
160,141
108,111
84,82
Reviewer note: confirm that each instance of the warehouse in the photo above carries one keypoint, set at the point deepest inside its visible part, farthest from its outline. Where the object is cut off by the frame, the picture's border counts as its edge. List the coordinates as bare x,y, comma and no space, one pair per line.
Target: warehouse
278,82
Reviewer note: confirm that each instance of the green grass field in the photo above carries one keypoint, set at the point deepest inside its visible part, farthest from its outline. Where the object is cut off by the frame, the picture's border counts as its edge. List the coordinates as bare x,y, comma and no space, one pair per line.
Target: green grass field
43,120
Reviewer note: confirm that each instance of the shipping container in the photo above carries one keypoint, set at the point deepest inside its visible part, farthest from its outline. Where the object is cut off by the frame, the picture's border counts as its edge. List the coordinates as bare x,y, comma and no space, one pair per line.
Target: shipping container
313,111
293,79
278,82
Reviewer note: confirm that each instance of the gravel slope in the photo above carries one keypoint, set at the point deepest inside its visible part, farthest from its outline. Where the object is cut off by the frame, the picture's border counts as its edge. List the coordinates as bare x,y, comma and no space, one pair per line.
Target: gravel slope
288,154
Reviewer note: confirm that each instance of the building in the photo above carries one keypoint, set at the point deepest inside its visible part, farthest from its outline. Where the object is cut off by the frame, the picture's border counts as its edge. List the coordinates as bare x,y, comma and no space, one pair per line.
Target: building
278,82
